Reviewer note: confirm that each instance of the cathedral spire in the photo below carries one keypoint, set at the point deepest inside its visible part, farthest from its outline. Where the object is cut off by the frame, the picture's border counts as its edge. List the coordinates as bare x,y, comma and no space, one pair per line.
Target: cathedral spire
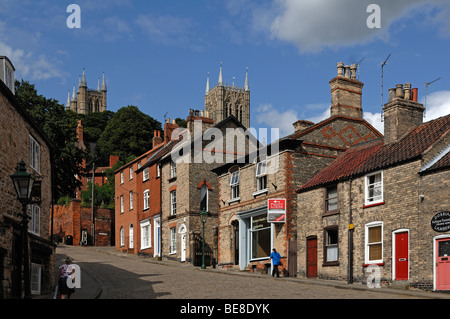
246,87
98,85
83,80
74,95
104,83
220,75
207,85
68,99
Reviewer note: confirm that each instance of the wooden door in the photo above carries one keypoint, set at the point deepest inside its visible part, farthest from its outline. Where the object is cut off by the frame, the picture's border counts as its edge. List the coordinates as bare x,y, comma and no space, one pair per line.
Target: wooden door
292,257
311,261
443,264
401,256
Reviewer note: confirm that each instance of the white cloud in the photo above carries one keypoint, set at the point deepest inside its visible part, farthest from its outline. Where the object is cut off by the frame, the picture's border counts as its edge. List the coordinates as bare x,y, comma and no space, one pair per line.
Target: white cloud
438,104
273,118
315,24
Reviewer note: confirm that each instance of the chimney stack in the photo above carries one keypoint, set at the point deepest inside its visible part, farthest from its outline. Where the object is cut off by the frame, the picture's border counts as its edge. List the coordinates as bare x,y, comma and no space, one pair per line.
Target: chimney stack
402,113
346,92
168,129
157,139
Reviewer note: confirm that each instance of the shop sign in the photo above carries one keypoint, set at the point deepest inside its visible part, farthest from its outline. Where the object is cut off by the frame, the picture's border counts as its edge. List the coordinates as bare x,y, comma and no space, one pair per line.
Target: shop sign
276,210
441,221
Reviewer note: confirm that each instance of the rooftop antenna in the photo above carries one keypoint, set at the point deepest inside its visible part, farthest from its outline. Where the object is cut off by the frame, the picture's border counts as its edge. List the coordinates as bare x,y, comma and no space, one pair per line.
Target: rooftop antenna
426,92
357,65
382,67
165,119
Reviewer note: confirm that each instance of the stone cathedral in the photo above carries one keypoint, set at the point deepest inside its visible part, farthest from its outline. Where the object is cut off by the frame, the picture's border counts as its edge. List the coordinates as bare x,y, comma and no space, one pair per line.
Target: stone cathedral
225,100
84,100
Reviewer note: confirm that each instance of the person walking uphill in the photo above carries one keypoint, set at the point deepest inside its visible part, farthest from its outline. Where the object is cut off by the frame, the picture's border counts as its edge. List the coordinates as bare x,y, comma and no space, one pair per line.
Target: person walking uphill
64,272
276,257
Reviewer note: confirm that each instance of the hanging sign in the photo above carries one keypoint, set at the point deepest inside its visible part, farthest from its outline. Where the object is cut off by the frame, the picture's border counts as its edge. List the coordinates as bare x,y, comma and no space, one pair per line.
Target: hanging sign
276,210
441,221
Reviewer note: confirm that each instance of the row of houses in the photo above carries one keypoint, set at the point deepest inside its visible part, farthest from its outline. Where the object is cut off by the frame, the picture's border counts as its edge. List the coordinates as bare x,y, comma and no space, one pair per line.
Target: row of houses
355,201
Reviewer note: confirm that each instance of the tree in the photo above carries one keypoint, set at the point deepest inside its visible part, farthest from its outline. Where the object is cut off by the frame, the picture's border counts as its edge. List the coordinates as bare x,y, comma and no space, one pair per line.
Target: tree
128,133
60,128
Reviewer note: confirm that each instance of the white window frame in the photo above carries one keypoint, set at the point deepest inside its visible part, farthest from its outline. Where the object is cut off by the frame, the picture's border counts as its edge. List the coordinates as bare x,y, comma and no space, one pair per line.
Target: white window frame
35,155
145,174
234,184
173,169
131,236
146,199
36,278
173,240
366,243
34,225
122,236
146,234
121,204
173,202
131,200
371,200
251,230
131,172
261,176
121,177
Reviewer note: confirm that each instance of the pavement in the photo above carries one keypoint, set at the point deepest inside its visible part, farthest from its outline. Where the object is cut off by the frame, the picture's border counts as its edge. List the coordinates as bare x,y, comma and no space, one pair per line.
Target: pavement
92,287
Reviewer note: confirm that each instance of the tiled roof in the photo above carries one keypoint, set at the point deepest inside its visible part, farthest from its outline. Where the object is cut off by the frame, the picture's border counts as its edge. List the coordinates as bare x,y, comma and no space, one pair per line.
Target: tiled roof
371,156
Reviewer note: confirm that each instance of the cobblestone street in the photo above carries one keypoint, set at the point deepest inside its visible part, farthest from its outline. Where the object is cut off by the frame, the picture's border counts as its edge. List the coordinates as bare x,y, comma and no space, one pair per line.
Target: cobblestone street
117,275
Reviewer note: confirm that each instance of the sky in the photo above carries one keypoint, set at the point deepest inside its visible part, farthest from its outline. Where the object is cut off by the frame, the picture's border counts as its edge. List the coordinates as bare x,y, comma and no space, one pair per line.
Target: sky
156,54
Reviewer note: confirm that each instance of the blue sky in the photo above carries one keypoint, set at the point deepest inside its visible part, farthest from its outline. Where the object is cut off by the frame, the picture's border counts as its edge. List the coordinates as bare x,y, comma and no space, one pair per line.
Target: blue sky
156,54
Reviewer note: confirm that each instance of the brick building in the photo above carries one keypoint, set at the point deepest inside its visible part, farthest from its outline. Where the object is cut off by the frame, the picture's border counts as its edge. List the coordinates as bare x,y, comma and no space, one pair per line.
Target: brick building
246,238
21,139
383,205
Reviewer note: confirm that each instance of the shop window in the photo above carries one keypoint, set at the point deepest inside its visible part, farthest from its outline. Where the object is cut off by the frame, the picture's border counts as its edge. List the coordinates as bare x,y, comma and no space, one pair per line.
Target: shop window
260,237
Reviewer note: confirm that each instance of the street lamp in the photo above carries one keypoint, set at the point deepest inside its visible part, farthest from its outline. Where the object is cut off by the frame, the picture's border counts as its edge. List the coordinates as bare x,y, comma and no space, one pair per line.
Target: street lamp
203,218
23,184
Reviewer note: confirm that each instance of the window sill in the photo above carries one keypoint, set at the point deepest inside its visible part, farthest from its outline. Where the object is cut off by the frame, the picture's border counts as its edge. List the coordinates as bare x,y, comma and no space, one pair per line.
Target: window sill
373,205
260,192
233,200
172,217
330,212
330,263
172,179
374,264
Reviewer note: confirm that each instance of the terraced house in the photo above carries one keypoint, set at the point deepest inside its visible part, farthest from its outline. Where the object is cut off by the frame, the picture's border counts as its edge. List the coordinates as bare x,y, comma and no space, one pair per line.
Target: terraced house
382,207
247,234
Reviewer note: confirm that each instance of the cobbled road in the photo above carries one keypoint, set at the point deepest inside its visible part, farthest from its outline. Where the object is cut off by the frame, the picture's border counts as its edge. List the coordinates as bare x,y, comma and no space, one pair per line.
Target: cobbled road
124,276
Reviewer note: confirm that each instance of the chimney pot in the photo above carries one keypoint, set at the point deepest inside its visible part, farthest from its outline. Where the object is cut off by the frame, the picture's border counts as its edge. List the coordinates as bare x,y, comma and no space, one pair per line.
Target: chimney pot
407,91
347,71
340,69
415,94
353,71
399,91
391,94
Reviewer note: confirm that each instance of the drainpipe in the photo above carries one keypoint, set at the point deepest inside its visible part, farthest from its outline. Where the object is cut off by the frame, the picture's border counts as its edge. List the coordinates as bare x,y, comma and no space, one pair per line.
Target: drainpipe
350,238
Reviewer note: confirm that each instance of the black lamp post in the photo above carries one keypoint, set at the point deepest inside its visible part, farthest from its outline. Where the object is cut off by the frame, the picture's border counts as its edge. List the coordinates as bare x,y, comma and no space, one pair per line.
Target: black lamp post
23,184
203,218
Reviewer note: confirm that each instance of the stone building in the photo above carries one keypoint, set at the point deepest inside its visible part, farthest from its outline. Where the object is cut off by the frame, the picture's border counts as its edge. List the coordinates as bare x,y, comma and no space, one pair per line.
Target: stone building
224,100
22,139
380,211
84,100
246,233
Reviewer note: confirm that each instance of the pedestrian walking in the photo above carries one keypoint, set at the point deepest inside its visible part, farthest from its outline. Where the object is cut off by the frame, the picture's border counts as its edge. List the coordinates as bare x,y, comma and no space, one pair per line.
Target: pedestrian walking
63,275
275,257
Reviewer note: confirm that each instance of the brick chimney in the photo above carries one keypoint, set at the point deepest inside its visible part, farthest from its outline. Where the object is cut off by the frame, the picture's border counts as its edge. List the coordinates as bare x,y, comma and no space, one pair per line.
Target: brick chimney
157,139
302,125
198,115
402,112
113,159
168,129
346,92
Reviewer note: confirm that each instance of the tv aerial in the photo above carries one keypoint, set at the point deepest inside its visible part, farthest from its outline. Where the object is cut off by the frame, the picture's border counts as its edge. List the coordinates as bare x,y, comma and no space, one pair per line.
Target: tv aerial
382,67
427,84
358,64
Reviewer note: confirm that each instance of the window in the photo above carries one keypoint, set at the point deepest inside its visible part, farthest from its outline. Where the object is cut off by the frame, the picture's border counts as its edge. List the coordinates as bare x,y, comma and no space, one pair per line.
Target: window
204,198
173,240
260,237
122,236
131,172
145,174
131,238
35,279
139,165
374,188
331,245
261,177
131,200
35,154
374,243
121,203
158,170
146,199
121,177
331,200
173,169
34,224
234,183
173,202
145,234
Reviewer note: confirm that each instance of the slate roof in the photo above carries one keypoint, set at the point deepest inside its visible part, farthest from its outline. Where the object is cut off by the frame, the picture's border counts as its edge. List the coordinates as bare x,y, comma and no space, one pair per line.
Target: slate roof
374,155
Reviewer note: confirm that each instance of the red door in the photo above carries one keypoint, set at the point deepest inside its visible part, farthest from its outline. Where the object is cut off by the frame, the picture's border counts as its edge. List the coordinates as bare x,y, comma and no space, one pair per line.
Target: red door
443,264
312,257
401,256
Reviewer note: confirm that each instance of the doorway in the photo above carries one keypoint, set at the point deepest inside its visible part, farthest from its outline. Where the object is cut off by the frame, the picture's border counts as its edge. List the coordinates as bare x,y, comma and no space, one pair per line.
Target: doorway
401,255
442,253
311,257
183,235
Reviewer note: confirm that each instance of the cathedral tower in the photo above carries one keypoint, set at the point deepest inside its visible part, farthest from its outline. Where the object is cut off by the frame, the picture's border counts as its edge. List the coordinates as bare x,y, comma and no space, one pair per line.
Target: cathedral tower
225,100
85,100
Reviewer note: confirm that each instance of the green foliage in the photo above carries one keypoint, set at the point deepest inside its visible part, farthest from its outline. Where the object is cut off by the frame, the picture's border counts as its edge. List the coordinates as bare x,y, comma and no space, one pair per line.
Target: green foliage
128,133
60,128
103,195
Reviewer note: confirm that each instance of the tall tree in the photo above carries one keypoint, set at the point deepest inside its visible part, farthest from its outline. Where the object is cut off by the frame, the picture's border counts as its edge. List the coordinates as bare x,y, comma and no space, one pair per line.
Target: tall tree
60,128
128,133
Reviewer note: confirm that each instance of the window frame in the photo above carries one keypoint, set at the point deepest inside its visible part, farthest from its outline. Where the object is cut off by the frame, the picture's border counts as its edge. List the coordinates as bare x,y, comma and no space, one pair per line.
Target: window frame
367,244
122,236
122,204
234,185
145,174
326,245
131,172
326,211
35,154
34,225
261,176
204,187
173,241
252,231
146,224
173,202
146,199
370,200
131,200
35,279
